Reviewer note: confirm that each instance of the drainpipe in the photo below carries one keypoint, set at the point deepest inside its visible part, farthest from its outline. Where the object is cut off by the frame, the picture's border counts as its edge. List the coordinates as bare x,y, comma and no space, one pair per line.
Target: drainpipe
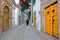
32,12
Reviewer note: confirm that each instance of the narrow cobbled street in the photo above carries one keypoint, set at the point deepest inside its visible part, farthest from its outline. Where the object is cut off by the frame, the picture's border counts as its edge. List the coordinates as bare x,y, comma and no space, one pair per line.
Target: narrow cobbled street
24,32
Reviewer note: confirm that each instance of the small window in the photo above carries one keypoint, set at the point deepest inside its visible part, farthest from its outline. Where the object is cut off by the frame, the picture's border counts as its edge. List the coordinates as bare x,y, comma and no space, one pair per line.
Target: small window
53,10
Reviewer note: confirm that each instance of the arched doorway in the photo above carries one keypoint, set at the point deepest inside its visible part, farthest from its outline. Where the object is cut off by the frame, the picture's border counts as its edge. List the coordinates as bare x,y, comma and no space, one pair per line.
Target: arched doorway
5,19
35,19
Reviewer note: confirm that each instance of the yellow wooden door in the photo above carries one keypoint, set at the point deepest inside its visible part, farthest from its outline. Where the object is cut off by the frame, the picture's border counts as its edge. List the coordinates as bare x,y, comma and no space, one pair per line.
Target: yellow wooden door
51,19
54,11
35,20
5,19
48,21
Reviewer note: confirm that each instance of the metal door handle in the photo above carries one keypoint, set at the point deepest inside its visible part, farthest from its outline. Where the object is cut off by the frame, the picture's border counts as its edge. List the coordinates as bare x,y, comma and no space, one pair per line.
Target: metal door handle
53,21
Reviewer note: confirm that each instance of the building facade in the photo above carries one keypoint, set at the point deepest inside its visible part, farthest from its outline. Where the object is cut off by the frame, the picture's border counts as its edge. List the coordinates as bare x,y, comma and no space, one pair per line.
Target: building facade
50,10
5,15
37,15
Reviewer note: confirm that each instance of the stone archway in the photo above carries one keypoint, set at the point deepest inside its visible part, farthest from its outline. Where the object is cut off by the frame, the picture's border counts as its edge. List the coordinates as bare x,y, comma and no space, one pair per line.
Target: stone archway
5,18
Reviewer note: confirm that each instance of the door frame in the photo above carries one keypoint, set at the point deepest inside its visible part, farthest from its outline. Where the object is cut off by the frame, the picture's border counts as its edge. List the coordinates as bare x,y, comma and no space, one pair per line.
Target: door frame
4,5
58,19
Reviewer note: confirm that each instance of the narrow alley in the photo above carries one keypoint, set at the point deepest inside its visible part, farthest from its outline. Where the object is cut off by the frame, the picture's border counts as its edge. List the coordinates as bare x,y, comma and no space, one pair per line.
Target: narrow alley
23,32
29,19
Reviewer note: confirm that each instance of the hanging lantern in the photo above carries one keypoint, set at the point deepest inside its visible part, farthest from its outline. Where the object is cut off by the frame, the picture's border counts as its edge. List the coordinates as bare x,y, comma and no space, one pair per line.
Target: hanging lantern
25,1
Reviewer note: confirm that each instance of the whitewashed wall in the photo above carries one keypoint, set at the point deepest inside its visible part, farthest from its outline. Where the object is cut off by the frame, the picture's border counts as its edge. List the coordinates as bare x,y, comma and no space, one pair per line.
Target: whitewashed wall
16,16
13,15
36,8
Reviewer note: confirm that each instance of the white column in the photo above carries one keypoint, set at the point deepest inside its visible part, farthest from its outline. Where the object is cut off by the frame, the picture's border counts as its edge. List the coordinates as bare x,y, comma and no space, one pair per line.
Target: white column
13,15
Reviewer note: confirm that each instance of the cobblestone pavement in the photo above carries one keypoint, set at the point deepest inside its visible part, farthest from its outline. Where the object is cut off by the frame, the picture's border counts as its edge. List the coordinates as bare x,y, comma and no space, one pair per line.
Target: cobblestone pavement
23,32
